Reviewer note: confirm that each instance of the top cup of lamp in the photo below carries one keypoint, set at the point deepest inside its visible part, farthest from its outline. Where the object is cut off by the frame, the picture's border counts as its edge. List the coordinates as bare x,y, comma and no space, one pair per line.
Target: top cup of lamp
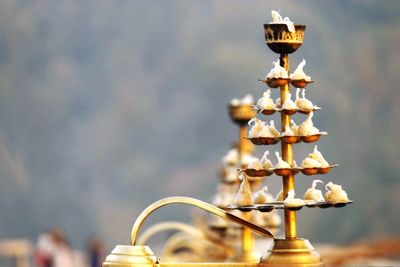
242,110
280,40
282,36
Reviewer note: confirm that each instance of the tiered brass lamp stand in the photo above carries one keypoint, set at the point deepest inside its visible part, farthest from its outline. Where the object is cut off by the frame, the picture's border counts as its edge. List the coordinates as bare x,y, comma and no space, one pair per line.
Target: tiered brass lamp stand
241,115
288,251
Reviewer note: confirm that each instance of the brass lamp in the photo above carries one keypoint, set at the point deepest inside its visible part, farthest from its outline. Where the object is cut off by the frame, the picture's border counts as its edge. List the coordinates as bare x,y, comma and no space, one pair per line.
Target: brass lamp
288,251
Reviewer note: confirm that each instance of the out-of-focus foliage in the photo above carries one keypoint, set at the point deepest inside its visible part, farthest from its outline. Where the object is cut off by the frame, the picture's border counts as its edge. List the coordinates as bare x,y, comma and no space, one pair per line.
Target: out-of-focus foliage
106,106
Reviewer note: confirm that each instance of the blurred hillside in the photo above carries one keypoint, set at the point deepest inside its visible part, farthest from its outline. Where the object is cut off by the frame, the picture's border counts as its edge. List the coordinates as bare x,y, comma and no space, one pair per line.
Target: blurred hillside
106,106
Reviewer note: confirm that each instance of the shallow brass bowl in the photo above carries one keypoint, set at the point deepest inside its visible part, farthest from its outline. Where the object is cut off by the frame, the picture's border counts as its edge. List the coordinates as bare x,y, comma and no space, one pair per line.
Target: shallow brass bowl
283,172
308,111
290,139
309,171
295,170
294,208
264,140
325,170
310,138
258,173
289,111
268,111
241,208
280,205
300,83
277,82
264,207
339,204
241,114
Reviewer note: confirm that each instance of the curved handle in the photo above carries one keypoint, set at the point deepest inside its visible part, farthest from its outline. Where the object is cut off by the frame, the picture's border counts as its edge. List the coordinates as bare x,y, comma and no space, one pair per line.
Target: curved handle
197,203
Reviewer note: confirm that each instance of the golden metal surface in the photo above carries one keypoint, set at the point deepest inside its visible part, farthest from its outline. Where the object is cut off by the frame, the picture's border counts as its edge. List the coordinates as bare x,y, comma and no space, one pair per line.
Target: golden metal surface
289,111
309,171
244,145
129,256
280,40
290,139
283,172
287,155
276,82
264,140
197,203
295,252
241,114
212,264
242,141
267,111
258,173
300,83
298,252
311,138
248,253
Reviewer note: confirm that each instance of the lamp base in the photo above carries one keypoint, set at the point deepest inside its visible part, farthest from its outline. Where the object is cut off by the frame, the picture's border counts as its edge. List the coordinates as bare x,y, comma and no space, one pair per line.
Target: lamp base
248,257
297,252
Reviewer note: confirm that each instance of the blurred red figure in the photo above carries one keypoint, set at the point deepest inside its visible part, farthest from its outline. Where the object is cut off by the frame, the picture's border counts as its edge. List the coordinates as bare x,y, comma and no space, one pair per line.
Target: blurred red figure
53,250
44,251
63,255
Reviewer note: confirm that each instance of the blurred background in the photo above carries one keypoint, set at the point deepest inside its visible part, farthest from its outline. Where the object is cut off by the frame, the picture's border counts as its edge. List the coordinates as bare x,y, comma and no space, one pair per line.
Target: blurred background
107,106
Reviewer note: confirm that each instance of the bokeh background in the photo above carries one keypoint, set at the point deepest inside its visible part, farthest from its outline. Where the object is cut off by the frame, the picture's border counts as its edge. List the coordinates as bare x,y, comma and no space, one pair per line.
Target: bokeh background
106,106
